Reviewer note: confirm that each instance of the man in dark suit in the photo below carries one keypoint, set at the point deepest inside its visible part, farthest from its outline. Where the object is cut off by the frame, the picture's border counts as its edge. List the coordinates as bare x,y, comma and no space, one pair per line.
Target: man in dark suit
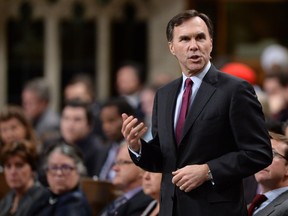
224,137
273,180
128,179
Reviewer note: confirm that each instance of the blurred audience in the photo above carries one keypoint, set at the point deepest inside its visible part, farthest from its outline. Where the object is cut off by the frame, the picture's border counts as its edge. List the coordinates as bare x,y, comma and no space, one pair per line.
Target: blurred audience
275,85
273,181
19,162
161,79
151,186
35,102
111,118
128,179
76,129
240,70
80,87
274,58
147,100
14,126
247,73
129,83
64,167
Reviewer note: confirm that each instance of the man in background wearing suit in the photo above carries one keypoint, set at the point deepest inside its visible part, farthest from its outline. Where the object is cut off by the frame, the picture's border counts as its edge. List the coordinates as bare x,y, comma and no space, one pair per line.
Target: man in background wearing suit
128,180
222,140
273,180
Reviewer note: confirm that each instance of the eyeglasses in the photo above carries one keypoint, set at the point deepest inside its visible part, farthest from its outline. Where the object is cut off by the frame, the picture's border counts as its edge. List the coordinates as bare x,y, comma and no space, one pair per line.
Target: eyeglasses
64,168
275,153
122,162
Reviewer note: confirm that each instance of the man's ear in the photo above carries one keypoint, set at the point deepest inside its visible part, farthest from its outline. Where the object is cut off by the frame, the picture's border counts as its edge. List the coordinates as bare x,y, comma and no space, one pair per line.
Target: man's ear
171,48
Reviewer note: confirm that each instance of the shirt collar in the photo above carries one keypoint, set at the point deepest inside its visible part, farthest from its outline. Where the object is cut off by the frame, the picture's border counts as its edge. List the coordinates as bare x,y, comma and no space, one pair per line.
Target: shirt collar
132,192
271,195
198,77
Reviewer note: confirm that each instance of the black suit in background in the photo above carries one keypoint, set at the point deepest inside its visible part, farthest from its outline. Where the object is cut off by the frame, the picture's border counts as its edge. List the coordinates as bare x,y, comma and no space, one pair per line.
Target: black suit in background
132,207
224,128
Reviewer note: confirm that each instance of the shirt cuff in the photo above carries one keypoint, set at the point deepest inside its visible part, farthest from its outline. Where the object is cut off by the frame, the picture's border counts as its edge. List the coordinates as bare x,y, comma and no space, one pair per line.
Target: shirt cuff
138,155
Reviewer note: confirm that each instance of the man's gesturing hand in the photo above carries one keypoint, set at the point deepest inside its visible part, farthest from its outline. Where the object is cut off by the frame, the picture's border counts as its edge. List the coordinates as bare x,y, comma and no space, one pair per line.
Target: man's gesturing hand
133,131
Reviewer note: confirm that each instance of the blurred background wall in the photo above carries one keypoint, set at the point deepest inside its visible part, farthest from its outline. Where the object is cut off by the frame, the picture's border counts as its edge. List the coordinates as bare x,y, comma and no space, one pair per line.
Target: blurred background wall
59,38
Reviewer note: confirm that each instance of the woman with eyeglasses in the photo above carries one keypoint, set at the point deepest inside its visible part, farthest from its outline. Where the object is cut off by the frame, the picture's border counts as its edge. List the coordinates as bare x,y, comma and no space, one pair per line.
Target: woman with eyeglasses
64,167
19,165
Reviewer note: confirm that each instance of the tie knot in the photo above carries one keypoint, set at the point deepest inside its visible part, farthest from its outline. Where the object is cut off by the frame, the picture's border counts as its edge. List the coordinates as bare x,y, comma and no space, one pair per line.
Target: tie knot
259,198
257,201
188,83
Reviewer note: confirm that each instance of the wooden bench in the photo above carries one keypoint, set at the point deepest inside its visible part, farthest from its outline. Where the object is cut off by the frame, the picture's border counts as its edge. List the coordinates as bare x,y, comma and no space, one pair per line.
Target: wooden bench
98,193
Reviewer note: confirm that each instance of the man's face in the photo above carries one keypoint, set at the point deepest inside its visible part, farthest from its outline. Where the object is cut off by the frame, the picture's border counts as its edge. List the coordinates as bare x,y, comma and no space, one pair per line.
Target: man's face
275,175
128,175
111,123
127,81
74,124
12,130
191,45
77,91
33,106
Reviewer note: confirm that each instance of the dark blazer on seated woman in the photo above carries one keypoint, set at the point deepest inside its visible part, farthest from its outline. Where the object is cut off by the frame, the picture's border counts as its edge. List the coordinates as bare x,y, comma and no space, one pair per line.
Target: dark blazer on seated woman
72,203
26,202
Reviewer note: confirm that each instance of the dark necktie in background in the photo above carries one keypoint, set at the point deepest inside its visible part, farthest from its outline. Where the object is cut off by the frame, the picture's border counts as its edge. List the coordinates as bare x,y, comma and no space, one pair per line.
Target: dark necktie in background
184,109
112,208
257,201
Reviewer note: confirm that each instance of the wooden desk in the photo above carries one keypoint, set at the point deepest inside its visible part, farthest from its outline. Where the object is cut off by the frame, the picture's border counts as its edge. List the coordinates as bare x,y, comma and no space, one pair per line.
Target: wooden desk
98,193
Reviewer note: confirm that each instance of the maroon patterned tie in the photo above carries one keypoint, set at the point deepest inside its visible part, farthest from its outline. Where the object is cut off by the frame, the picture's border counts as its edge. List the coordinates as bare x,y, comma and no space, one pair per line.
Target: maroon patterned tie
257,201
184,109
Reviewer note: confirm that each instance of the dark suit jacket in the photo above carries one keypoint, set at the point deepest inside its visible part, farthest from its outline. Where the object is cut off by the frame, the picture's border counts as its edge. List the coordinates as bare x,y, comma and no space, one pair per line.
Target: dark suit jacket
278,207
72,203
133,207
26,203
224,128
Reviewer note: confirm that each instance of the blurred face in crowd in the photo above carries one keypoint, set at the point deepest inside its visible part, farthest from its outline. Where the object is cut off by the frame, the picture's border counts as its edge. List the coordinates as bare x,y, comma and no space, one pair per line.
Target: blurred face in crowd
77,91
191,45
111,123
62,174
151,184
33,106
128,176
18,174
275,175
74,124
147,100
12,130
275,94
127,81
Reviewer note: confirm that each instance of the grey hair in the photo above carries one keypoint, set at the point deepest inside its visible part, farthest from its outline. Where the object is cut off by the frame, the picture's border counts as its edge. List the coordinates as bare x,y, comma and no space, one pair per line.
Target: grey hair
40,86
70,151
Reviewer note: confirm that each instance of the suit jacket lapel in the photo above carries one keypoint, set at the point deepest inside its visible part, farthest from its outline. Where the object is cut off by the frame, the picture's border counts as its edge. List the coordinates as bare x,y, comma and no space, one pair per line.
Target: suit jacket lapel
170,104
271,206
204,93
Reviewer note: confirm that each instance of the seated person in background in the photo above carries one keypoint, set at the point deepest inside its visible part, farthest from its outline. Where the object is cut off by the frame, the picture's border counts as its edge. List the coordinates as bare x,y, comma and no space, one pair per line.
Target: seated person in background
111,119
129,83
19,162
14,126
273,181
151,186
36,100
64,168
128,179
81,87
76,129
